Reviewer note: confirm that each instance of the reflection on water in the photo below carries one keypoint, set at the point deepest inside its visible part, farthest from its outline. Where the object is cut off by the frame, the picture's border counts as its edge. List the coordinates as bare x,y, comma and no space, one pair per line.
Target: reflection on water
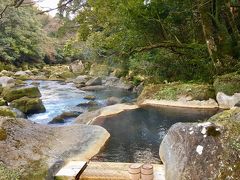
60,97
136,134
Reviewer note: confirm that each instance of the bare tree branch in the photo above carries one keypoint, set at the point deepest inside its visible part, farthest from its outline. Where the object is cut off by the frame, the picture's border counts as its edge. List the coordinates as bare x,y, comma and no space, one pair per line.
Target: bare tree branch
60,6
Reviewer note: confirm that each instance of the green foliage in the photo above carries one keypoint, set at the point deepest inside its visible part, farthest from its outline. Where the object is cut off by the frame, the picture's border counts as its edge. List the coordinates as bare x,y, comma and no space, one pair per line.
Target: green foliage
160,65
22,37
116,31
228,83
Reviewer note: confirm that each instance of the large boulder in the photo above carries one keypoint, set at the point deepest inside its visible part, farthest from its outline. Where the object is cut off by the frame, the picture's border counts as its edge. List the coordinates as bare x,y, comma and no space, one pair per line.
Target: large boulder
58,72
6,81
16,93
77,67
227,102
37,151
208,150
29,105
177,91
61,75
81,79
118,83
94,81
99,70
228,84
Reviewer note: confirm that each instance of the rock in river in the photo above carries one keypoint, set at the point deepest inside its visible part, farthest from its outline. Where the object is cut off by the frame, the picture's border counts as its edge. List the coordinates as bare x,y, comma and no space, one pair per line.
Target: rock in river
208,150
64,116
90,97
29,105
94,81
16,93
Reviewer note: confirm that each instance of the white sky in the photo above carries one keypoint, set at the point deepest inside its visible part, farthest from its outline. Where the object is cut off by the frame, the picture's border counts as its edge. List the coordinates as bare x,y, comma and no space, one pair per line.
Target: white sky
47,4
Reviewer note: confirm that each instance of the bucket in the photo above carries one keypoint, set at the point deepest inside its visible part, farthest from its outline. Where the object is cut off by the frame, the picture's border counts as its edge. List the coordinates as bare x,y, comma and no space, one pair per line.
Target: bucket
134,171
147,172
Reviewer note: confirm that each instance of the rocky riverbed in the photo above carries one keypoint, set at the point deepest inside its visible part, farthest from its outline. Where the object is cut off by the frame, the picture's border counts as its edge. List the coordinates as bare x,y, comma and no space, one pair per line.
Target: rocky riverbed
33,151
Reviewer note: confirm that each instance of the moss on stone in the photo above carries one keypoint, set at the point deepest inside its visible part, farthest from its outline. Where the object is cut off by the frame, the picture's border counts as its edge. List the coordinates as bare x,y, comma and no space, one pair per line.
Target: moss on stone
1,89
6,111
2,102
29,105
174,91
3,134
230,122
99,70
8,174
228,84
36,170
16,93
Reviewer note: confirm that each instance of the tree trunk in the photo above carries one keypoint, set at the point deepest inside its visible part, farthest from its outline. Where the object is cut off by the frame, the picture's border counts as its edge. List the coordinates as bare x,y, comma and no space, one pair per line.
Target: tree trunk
220,31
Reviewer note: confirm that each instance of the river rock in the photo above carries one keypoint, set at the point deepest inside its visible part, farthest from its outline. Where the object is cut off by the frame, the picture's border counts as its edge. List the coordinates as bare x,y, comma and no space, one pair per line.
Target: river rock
37,151
226,101
64,116
99,70
118,83
94,81
29,105
88,104
7,81
208,150
93,88
113,100
90,97
81,79
6,73
94,117
16,93
77,67
23,73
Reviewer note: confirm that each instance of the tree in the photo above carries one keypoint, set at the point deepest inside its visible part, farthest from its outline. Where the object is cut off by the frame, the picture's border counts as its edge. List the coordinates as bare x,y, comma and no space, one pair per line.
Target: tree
22,38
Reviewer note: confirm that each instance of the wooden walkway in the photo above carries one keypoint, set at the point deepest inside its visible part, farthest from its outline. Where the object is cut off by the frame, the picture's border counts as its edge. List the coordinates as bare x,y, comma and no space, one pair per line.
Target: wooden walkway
102,171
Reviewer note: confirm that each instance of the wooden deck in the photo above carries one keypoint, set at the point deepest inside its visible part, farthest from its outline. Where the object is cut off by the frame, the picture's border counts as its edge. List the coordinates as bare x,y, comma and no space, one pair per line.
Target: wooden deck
104,171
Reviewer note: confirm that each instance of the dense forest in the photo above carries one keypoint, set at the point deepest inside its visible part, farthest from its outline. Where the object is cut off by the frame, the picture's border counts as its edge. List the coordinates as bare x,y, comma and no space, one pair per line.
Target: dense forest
159,40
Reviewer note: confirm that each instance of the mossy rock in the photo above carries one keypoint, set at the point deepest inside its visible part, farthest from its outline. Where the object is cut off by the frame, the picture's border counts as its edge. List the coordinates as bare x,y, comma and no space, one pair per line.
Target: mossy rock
62,75
29,105
16,93
8,174
2,102
230,121
228,84
3,134
173,91
7,111
19,82
99,70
